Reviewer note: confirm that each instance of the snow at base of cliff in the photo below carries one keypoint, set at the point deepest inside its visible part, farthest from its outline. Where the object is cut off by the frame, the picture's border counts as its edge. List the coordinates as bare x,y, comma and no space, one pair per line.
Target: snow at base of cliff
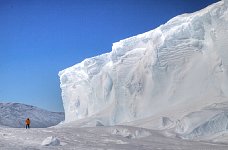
98,138
15,114
170,73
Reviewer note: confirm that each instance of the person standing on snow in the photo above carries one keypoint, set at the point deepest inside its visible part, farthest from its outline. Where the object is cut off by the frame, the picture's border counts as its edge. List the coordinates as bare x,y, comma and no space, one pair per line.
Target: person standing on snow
27,123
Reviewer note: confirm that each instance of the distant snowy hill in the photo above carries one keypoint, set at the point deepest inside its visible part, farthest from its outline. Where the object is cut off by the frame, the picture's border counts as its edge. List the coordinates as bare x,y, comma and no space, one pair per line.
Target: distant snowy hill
15,114
167,76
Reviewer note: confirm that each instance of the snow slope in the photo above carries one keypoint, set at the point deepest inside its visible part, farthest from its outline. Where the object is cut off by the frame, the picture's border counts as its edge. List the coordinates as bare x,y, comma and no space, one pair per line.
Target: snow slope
15,114
165,74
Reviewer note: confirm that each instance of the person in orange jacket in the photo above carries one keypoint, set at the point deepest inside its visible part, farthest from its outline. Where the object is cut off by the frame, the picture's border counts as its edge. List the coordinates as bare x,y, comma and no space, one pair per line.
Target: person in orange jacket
27,123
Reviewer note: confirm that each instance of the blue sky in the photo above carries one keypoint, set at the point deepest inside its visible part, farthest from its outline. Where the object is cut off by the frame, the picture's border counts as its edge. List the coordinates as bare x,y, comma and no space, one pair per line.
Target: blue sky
38,38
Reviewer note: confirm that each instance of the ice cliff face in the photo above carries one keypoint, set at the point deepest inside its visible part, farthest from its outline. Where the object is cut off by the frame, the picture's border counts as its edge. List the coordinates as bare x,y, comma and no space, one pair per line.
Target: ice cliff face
175,69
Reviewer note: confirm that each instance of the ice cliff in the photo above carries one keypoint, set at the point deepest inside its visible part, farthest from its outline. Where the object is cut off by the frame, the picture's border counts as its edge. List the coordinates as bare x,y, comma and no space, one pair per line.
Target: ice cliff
169,72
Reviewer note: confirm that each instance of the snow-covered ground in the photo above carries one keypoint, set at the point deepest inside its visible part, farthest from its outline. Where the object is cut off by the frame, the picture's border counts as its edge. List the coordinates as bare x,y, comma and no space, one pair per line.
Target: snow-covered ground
97,138
15,114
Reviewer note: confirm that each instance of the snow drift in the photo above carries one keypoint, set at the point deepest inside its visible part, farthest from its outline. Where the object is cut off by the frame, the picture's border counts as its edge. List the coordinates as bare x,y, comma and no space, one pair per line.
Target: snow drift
169,72
15,114
51,141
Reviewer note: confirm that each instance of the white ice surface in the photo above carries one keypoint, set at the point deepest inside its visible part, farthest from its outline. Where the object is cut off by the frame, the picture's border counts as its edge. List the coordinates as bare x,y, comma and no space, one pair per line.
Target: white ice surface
162,76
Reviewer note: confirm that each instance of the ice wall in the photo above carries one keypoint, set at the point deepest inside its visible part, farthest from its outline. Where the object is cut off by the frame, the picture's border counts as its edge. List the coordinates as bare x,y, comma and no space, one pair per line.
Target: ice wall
180,66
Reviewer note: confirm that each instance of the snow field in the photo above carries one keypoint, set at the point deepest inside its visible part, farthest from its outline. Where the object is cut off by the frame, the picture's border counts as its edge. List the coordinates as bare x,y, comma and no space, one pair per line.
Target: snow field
96,138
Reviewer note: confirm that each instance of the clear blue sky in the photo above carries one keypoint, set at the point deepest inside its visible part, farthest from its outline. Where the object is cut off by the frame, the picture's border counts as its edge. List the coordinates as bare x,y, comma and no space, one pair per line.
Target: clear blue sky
38,38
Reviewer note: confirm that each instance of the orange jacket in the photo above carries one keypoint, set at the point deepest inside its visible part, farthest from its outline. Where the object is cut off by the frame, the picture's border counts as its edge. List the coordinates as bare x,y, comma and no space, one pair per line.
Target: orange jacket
27,121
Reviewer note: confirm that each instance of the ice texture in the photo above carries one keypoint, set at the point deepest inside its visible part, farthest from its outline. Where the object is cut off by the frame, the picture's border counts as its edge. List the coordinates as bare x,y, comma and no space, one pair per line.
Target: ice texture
204,123
178,68
51,141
